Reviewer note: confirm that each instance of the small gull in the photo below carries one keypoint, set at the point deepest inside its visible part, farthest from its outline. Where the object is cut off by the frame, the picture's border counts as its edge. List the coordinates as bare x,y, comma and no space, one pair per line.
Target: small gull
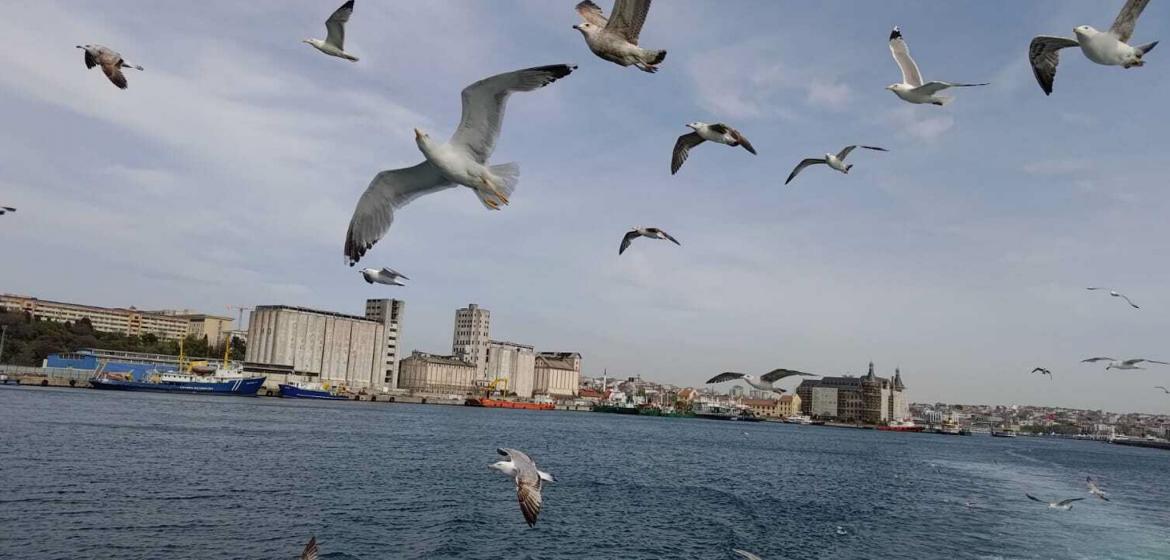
1117,294
616,39
528,479
1094,489
110,61
912,89
1164,390
310,552
383,275
1131,363
717,132
745,554
835,161
1109,48
651,232
461,161
1043,371
764,383
334,43
6,209
1063,504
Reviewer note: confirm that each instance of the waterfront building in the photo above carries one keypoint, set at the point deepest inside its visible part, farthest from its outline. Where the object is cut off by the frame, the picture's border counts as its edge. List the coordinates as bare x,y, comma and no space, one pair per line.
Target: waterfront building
335,349
127,321
138,364
511,367
868,399
436,374
470,341
783,407
557,374
390,313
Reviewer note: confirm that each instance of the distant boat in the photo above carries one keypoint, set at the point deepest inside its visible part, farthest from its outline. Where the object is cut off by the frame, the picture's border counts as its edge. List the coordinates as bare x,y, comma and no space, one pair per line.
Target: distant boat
718,412
222,382
901,426
949,427
615,409
508,403
1007,432
309,391
798,419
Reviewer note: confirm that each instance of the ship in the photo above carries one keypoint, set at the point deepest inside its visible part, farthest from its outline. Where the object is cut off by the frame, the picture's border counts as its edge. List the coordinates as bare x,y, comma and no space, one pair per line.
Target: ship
798,419
718,412
615,409
222,382
949,427
487,402
901,426
1006,432
309,391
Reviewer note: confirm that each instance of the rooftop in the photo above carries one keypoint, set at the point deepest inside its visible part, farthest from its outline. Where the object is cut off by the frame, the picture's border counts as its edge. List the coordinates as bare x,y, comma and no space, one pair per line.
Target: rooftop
316,312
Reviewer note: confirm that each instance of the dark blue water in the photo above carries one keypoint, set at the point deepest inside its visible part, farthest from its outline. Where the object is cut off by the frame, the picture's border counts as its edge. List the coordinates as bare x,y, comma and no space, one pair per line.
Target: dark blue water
88,474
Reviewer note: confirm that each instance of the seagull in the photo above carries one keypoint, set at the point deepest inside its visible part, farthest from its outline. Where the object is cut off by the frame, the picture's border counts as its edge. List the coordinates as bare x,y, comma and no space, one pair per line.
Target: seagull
528,481
387,276
653,233
717,132
1164,390
1094,489
1110,48
1043,372
1131,363
616,39
835,161
765,381
1116,294
310,552
110,61
334,43
912,89
461,161
1063,504
745,554
6,209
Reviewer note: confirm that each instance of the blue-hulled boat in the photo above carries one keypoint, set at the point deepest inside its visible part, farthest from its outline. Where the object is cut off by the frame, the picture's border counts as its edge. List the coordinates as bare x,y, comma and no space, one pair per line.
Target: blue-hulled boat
223,382
308,391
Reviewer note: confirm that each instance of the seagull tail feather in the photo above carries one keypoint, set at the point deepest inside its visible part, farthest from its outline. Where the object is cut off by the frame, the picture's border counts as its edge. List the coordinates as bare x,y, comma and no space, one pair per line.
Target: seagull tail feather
505,176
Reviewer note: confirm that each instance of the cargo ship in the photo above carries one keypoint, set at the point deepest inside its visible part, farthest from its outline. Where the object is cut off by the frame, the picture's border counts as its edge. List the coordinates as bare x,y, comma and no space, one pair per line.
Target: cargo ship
615,409
901,426
309,391
222,382
504,403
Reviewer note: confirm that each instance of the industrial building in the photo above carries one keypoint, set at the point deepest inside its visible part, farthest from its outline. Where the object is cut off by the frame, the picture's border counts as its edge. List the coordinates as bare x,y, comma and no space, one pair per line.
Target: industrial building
470,341
436,374
511,367
557,374
333,348
127,321
391,313
137,364
868,399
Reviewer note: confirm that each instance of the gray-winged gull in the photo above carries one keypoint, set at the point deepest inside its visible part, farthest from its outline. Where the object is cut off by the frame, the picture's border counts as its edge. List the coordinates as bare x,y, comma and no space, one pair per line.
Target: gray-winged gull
1131,363
1117,295
528,478
651,232
764,383
334,43
912,88
1109,48
1063,504
110,61
383,275
1043,371
616,39
1094,489
835,161
718,132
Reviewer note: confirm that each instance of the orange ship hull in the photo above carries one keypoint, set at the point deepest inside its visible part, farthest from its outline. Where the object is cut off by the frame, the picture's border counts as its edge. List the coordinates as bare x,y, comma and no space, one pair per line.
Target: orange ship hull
492,403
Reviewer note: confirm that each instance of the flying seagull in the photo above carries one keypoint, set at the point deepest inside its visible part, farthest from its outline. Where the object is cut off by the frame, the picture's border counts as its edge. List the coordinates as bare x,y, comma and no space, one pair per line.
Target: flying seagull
6,209
461,161
616,39
1131,363
310,552
912,89
1043,372
717,132
110,61
745,554
1164,390
1110,48
1063,504
764,382
334,43
651,232
1120,295
387,276
835,161
1094,489
528,479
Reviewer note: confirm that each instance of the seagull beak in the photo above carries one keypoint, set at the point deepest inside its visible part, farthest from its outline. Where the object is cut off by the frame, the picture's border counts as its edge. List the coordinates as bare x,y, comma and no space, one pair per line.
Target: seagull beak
576,27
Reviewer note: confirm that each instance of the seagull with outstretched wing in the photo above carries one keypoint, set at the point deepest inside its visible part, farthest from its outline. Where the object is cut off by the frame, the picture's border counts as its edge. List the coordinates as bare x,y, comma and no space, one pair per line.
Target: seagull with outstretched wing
703,132
1094,489
528,478
1109,48
334,43
616,38
110,61
1043,371
835,161
1116,294
383,275
1062,505
912,89
1131,363
765,382
311,551
650,232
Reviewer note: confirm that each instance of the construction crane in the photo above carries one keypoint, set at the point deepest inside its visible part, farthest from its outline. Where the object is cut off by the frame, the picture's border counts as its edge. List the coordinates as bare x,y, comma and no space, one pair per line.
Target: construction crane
241,309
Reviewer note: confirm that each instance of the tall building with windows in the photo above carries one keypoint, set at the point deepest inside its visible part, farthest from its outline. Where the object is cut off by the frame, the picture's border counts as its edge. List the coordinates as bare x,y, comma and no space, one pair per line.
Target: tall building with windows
470,342
391,313
128,321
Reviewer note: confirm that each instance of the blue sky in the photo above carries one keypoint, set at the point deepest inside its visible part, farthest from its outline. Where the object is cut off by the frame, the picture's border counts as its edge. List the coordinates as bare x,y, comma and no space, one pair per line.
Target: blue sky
227,173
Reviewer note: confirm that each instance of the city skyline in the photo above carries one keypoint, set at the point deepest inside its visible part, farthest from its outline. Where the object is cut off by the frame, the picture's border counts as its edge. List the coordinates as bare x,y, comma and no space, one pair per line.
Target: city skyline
961,256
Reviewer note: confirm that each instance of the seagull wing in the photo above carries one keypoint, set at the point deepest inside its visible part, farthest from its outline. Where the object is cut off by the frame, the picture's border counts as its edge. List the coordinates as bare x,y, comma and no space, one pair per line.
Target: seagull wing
627,18
484,102
592,13
1035,499
667,236
335,25
527,483
931,88
726,376
1122,27
7,208
1162,388
310,552
682,149
1039,369
745,554
393,273
1063,503
388,191
741,140
845,152
901,52
800,167
1044,54
1095,288
90,61
114,73
1134,361
1097,359
778,374
627,239
1129,301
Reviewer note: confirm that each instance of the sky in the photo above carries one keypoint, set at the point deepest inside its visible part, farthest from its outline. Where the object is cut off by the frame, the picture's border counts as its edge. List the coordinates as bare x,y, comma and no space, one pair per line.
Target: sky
226,175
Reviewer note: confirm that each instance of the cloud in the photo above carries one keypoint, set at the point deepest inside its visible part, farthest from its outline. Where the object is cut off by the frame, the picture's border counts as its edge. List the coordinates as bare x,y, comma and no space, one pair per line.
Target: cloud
1058,167
917,123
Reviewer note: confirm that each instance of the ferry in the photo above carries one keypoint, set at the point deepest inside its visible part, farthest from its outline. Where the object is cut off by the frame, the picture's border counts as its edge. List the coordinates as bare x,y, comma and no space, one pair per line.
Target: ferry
949,427
717,412
222,382
901,426
799,419
309,391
